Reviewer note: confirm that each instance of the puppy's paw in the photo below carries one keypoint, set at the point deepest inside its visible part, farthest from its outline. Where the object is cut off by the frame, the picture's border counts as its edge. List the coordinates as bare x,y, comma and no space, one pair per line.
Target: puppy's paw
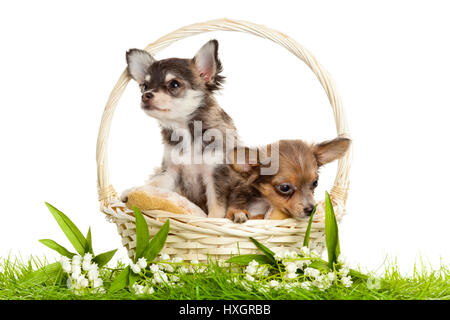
237,215
124,195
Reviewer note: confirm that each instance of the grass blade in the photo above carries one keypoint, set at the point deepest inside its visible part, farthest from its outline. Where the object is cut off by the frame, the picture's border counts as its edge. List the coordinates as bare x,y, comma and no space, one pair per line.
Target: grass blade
70,229
46,275
142,233
155,246
58,248
331,232
267,252
308,229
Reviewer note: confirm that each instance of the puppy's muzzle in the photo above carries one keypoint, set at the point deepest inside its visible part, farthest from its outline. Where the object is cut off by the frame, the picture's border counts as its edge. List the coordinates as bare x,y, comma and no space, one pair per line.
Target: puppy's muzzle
146,96
308,210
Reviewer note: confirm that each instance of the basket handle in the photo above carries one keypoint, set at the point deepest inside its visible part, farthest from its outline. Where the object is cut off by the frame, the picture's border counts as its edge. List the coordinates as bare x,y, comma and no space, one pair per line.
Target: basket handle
106,191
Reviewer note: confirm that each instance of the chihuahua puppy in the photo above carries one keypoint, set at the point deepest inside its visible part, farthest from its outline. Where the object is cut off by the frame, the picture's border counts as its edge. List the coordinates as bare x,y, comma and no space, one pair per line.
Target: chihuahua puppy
290,190
178,93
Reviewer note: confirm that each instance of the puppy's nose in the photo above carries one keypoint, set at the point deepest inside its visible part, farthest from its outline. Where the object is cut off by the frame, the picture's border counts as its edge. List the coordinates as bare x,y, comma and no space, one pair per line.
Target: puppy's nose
308,210
147,96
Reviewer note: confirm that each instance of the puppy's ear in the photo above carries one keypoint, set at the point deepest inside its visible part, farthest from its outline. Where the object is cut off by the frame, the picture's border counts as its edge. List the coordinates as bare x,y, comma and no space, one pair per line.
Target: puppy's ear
243,159
208,65
331,150
138,63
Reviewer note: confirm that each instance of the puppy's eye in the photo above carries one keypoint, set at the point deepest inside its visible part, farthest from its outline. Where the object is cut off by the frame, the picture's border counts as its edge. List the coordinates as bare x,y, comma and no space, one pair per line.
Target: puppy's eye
285,188
144,87
315,184
175,84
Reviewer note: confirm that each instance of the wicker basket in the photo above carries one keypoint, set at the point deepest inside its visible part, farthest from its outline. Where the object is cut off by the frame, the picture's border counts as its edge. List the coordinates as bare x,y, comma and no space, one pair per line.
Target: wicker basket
197,238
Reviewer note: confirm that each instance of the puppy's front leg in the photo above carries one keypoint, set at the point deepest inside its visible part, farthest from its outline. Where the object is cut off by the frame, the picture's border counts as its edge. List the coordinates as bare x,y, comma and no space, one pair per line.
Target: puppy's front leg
237,215
216,209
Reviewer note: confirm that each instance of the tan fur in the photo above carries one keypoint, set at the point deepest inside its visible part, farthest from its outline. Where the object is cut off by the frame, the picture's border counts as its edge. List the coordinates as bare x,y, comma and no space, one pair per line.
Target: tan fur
298,166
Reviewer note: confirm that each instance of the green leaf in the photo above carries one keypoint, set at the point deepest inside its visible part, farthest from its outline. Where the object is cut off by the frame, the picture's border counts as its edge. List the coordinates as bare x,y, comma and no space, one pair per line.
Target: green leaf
89,242
47,275
155,246
142,233
245,259
267,252
133,277
58,248
121,281
103,258
308,228
320,265
70,229
331,232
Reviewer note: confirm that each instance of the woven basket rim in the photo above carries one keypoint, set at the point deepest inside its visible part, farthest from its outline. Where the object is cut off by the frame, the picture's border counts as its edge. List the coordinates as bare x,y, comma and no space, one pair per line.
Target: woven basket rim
339,191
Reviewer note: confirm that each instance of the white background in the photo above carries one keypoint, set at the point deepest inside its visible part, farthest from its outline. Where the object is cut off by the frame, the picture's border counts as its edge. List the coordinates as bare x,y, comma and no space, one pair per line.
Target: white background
390,61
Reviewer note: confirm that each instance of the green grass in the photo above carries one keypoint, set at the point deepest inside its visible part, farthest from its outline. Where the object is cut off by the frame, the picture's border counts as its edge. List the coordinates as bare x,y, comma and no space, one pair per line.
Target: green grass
216,284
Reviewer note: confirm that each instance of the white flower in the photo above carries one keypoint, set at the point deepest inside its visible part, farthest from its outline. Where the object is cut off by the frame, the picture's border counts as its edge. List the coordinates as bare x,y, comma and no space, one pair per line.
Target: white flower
69,283
246,285
262,289
251,270
93,274
195,261
183,269
201,269
305,285
175,278
253,263
280,255
321,282
166,267
249,278
86,265
164,257
274,284
177,260
87,257
154,268
81,282
346,281
263,271
76,260
65,264
291,267
305,251
344,271
135,268
331,276
138,289
160,277
290,276
97,283
311,272
76,271
142,263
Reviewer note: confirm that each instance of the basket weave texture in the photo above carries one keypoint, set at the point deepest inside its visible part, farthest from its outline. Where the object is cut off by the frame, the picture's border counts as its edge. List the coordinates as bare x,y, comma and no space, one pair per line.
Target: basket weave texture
197,238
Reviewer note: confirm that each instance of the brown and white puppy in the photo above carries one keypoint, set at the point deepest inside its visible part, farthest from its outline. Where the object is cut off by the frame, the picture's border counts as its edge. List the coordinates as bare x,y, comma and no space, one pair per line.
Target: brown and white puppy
289,190
179,94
